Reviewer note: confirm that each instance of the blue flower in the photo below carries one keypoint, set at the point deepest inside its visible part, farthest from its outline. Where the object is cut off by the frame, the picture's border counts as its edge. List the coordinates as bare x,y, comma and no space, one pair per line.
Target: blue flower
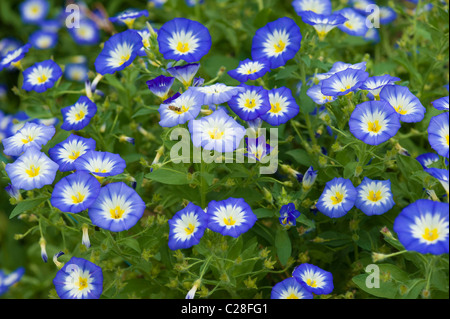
118,52
355,24
160,86
184,39
374,122
406,104
66,152
187,227
157,3
250,103
100,163
41,76
76,72
337,198
322,23
315,93
283,107
230,217
438,134
75,192
30,135
33,11
376,83
387,15
278,42
314,279
51,25
374,197
193,3
33,169
423,226
7,45
441,104
288,215
14,57
441,175
344,82
79,279
13,192
257,148
77,116
309,178
427,159
218,131
217,93
145,35
6,281
250,70
43,39
117,208
339,67
87,34
362,5
372,35
290,288
180,109
316,6
128,17
184,73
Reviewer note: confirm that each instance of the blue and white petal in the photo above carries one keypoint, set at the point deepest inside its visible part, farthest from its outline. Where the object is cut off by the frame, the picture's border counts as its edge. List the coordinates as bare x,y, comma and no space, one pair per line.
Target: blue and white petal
423,226
33,11
75,192
337,198
100,163
250,103
230,217
33,169
315,93
180,110
257,148
217,93
406,104
160,86
184,39
316,6
309,178
427,159
79,279
66,152
441,104
76,72
6,281
77,116
374,197
362,6
387,15
87,34
187,227
438,134
278,42
314,279
374,122
41,76
441,175
13,57
184,73
283,107
323,23
128,16
376,83
250,70
117,208
118,52
30,135
355,24
290,288
344,82
43,39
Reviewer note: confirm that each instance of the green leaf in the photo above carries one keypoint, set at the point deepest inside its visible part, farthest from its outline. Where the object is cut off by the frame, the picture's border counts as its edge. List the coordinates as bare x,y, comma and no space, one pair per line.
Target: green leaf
27,205
300,156
286,72
386,289
131,243
263,213
283,245
167,175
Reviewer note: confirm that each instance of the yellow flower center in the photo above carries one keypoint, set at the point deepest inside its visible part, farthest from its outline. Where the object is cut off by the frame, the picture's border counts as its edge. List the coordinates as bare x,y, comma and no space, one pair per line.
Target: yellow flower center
116,213
183,47
82,283
79,116
33,171
401,110
322,35
190,229
124,59
374,197
348,25
279,47
250,103
446,138
30,139
34,9
430,235
182,110
275,108
215,134
345,89
292,296
42,79
311,283
78,198
229,221
374,126
337,198
74,155
97,170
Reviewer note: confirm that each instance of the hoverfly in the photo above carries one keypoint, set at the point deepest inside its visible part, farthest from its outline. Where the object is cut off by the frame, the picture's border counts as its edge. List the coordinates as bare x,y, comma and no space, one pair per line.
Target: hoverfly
174,108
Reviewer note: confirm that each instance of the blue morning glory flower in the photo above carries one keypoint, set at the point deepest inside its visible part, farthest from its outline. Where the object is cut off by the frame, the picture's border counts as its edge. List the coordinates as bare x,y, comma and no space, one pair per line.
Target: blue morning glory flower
290,288
118,207
317,6
77,116
374,122
406,104
180,109
322,23
283,107
51,25
13,57
309,178
314,279
75,192
250,103
438,134
187,227
423,226
157,3
376,83
13,192
128,17
193,3
218,131
337,198
87,34
76,72
217,93
41,76
441,104
441,175
79,279
362,6
355,24
43,39
184,39
344,82
339,67
100,163
374,197
66,152
427,159
160,86
315,93
387,15
257,148
33,11
33,169
118,52
278,42
230,217
184,73
145,35
8,44
30,135
288,215
250,70
372,35
6,281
